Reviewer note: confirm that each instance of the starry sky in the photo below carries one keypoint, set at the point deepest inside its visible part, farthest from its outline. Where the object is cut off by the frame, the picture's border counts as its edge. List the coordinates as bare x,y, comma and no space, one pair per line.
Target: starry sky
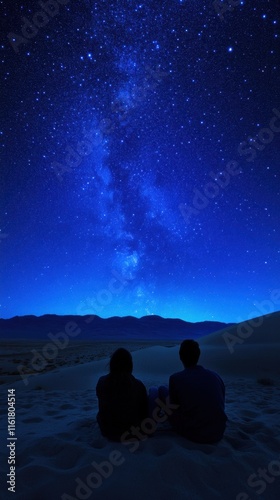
140,170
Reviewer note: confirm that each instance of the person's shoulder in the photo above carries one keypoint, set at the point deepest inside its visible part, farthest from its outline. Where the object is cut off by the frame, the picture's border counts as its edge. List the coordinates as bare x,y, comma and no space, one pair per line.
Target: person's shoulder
103,379
210,371
138,382
213,374
177,375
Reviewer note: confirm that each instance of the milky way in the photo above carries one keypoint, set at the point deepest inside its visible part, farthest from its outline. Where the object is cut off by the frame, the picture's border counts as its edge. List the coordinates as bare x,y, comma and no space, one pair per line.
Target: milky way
140,170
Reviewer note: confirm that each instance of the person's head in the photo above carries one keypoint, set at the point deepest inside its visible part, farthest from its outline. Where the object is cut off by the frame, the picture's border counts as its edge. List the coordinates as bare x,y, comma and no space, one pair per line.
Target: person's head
189,353
121,362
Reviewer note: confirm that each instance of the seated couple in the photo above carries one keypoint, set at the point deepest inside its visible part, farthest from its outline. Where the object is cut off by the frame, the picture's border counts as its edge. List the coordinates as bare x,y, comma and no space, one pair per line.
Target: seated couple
194,401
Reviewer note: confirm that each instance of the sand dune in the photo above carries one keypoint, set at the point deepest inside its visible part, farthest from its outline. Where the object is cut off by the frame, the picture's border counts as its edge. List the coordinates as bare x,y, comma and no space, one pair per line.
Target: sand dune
58,437
258,330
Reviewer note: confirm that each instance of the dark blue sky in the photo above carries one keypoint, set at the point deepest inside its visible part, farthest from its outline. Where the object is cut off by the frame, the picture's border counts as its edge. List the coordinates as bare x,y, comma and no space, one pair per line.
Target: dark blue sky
125,188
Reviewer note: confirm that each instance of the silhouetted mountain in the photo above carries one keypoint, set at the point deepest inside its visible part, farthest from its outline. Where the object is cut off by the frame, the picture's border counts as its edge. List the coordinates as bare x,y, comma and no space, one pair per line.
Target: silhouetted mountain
96,328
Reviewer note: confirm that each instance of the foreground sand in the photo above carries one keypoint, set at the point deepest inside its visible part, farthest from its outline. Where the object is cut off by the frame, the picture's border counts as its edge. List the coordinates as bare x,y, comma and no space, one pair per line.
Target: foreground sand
58,437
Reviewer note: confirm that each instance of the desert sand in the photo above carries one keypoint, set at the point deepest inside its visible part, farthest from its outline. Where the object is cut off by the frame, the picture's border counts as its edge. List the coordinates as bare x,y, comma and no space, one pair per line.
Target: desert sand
60,453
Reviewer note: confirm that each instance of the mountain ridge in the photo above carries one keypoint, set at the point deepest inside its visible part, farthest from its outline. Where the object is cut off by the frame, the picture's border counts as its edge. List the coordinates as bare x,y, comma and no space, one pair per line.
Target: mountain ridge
93,327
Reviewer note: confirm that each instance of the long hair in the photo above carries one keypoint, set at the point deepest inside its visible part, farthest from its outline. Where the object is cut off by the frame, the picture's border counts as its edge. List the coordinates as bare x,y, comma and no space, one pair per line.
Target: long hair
121,362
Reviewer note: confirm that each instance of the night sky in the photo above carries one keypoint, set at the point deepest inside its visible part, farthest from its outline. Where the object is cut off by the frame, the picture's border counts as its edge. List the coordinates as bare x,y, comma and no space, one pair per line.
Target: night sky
116,116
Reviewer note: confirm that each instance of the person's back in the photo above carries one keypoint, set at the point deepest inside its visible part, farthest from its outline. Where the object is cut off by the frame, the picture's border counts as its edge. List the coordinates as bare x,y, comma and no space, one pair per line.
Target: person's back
200,394
122,398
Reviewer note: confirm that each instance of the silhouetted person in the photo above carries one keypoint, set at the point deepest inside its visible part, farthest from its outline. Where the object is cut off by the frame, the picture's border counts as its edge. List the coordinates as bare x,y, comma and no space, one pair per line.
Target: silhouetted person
122,399
200,394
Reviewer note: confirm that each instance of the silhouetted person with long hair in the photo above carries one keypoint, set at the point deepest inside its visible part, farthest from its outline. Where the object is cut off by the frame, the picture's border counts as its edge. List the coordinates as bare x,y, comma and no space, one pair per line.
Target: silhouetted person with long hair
200,394
122,399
